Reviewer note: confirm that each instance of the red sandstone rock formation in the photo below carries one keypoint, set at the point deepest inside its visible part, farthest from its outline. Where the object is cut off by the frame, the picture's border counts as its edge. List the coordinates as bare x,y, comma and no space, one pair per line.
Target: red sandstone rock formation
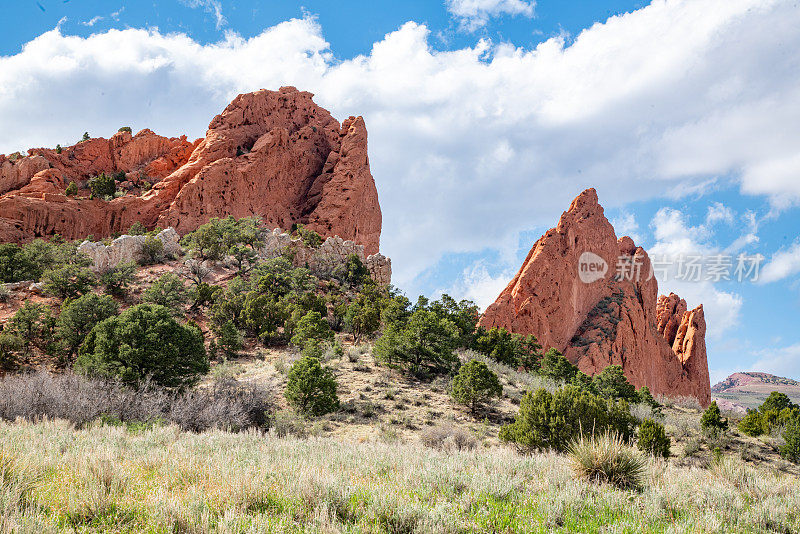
270,153
598,318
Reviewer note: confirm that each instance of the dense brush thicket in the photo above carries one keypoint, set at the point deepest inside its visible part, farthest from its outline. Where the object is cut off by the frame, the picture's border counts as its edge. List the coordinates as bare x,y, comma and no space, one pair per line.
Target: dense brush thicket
780,415
554,420
132,341
225,405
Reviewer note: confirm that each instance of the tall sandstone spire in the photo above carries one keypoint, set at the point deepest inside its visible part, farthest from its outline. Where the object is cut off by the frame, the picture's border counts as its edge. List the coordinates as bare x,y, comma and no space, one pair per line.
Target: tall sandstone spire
598,318
275,154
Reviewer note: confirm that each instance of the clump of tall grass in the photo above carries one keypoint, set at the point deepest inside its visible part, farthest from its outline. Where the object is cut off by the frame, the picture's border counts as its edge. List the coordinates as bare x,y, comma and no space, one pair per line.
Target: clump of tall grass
288,423
607,459
449,438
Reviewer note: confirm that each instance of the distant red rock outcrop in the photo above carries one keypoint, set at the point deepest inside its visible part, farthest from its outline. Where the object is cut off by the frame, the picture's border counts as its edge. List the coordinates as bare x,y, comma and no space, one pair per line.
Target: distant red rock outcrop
593,297
270,153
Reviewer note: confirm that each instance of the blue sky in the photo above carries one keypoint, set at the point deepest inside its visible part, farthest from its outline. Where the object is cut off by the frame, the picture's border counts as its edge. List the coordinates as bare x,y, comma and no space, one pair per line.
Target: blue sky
485,118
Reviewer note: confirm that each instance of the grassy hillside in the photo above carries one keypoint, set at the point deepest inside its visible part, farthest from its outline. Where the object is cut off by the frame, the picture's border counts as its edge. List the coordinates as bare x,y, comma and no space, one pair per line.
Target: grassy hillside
250,395
107,479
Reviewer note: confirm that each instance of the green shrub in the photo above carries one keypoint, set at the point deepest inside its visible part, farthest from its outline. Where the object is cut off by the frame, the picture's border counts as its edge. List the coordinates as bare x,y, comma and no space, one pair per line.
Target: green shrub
356,273
312,327
15,264
643,396
244,256
68,281
584,381
309,237
33,324
125,129
102,186
10,345
29,261
753,424
475,384
514,350
611,383
363,317
776,402
59,149
152,250
203,294
776,411
79,316
653,439
230,340
311,388
145,342
137,228
217,237
554,365
261,315
117,279
278,278
423,345
607,459
553,420
85,136
712,421
464,314
791,436
167,291
71,190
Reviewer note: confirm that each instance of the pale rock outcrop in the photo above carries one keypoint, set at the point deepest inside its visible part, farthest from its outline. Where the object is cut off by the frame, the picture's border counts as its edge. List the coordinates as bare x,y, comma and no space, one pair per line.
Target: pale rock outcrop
611,318
325,259
275,154
126,248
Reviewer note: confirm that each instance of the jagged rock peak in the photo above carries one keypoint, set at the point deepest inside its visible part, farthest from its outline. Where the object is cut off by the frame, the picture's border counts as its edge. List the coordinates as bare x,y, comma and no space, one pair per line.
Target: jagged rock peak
275,154
599,318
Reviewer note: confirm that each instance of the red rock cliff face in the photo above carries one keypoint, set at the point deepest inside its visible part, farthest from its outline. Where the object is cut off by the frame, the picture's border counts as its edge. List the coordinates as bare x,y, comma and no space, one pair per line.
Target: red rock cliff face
605,319
270,153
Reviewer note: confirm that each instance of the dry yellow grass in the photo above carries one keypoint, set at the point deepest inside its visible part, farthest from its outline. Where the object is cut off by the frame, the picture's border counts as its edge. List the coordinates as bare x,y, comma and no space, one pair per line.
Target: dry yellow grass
105,479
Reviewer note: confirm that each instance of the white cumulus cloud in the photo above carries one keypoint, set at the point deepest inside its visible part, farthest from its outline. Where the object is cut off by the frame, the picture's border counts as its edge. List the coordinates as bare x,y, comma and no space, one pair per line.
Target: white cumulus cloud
781,265
474,14
468,146
677,242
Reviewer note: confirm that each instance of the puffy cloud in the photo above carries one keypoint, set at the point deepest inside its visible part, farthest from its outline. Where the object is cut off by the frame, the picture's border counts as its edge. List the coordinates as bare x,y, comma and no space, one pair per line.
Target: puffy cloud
719,213
676,242
783,361
782,264
474,14
626,224
468,146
